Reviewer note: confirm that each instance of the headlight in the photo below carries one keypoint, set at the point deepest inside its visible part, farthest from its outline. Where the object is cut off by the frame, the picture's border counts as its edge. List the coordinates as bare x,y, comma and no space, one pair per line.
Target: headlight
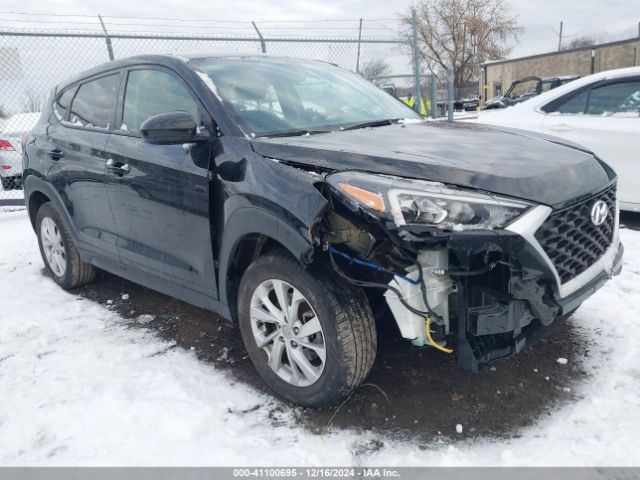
417,202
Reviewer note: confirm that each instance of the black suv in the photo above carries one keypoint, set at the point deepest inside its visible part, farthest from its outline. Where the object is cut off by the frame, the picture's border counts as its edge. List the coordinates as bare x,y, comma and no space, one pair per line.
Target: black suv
298,199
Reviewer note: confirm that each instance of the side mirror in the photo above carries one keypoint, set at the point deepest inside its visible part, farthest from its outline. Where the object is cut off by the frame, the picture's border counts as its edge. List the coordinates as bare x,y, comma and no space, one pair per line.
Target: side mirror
172,128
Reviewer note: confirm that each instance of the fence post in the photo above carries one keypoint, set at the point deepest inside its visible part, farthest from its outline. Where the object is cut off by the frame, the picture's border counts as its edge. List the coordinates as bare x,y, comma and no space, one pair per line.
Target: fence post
107,38
450,93
359,43
263,45
434,93
416,60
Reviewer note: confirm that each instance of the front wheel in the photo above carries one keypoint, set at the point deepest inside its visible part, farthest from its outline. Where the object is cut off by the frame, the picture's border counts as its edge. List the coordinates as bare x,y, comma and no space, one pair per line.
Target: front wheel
311,339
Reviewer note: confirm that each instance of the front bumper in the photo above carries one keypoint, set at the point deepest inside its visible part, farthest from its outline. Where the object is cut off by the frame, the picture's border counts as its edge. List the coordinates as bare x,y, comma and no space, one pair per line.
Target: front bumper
522,300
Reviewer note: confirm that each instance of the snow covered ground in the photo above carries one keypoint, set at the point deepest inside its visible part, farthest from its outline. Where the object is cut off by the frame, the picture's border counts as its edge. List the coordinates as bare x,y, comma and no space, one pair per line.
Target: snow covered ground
79,387
11,194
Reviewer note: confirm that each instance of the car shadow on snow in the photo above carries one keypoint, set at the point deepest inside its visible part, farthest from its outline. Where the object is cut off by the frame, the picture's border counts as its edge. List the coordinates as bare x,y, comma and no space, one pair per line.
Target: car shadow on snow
417,394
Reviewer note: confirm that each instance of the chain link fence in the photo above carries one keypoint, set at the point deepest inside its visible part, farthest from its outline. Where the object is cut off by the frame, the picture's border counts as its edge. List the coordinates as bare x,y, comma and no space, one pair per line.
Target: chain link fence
32,62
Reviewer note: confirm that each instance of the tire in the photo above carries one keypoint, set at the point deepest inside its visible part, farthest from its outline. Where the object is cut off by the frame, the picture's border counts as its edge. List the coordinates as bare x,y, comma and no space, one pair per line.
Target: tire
69,271
348,333
7,183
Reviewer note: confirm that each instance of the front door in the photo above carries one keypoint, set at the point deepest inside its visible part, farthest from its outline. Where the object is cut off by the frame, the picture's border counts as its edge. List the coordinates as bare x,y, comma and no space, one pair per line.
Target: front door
160,193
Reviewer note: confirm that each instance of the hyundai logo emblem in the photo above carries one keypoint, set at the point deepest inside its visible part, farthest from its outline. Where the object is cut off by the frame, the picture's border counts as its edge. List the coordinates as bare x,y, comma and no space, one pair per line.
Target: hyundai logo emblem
599,212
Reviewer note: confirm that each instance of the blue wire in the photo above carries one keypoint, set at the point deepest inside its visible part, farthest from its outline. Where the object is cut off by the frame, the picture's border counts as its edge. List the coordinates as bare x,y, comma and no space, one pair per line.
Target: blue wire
372,265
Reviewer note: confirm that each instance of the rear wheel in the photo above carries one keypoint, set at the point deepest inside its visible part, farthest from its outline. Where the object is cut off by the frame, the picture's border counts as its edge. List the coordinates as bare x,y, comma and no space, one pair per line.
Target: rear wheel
311,339
60,255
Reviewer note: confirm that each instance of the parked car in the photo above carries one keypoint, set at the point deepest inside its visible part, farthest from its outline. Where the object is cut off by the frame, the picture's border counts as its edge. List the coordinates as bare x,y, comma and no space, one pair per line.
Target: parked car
390,88
208,179
600,112
526,88
467,104
11,150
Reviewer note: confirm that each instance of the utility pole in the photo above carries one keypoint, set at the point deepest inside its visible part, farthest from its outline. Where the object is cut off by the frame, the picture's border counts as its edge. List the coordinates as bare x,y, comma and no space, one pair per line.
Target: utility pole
560,37
359,40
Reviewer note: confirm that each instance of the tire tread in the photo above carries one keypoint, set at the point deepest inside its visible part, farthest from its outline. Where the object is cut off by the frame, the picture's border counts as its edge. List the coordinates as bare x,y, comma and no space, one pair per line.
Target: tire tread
353,322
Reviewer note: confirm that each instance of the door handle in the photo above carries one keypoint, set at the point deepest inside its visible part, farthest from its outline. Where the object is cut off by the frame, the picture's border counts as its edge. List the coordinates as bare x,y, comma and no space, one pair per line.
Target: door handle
55,154
560,127
117,168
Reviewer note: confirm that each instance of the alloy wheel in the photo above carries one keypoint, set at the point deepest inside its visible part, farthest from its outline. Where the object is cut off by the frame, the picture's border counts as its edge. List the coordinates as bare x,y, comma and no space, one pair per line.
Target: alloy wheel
53,247
285,326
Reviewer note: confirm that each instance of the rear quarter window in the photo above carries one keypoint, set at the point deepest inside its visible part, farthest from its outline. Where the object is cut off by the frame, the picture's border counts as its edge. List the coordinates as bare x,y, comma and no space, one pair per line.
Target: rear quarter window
94,104
62,103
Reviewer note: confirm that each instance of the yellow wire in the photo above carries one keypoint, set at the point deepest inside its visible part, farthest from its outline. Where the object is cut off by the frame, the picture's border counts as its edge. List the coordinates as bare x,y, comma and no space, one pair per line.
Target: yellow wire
432,342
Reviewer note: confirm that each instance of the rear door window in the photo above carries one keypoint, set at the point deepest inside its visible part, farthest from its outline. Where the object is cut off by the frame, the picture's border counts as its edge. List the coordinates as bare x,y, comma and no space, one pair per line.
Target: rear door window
94,104
151,92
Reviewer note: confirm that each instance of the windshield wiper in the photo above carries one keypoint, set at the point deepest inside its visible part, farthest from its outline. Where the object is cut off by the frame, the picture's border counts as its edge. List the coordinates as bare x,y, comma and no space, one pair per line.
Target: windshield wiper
373,123
293,133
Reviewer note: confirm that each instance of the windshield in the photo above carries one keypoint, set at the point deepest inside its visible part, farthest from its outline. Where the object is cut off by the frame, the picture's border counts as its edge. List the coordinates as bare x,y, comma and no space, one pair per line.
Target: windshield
526,87
279,96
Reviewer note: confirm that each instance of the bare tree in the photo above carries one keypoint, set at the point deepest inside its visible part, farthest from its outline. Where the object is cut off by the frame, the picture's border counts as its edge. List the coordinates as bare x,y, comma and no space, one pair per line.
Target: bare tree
580,42
33,101
463,33
374,68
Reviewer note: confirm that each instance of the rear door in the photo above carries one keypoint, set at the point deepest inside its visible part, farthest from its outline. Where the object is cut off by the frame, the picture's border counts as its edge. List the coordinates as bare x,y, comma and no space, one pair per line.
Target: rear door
75,158
160,193
605,119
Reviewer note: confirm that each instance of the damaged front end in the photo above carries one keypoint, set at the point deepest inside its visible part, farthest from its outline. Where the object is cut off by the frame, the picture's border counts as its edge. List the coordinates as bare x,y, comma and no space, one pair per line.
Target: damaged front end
460,270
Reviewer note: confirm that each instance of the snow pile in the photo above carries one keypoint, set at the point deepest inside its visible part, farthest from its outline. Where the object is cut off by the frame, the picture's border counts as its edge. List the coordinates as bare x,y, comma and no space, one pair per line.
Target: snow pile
81,388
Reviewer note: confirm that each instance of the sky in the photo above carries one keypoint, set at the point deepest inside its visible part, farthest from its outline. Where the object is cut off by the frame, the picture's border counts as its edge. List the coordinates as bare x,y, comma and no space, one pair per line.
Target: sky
541,18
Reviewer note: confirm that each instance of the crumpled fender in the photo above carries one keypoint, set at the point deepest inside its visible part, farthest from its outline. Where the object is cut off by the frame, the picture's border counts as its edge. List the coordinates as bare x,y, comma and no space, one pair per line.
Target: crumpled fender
263,196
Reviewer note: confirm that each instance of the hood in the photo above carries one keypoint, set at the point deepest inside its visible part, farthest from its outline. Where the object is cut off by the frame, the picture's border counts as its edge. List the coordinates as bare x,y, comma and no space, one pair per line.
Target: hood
509,162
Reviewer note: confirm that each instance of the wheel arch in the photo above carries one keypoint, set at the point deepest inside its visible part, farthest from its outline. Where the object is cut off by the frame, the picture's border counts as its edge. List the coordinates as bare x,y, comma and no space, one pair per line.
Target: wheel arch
248,234
36,200
36,192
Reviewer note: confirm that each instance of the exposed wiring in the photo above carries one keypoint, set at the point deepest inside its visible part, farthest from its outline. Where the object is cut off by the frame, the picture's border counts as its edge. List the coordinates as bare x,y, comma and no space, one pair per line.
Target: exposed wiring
374,266
423,290
382,286
426,315
432,342
470,273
